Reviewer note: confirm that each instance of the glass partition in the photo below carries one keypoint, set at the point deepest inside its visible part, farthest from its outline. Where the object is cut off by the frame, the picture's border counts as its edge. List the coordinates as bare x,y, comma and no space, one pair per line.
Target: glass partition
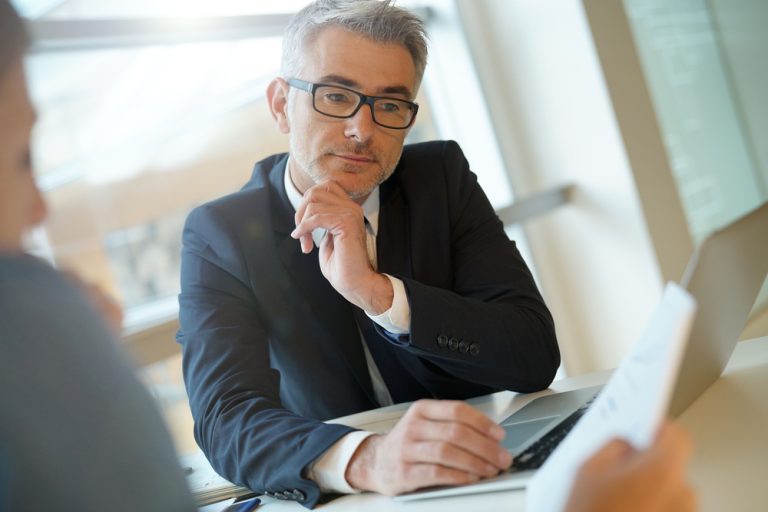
691,53
703,61
130,139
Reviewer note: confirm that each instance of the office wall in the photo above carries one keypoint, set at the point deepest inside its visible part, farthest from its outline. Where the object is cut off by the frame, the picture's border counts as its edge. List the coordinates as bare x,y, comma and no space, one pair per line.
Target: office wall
554,122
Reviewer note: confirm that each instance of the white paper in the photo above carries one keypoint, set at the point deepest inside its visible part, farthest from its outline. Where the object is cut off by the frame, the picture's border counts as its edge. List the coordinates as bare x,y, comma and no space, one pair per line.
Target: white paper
631,406
217,507
204,483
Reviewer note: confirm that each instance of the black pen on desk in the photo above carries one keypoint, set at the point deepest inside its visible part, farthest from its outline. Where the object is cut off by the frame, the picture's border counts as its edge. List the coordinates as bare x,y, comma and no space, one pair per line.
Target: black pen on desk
244,506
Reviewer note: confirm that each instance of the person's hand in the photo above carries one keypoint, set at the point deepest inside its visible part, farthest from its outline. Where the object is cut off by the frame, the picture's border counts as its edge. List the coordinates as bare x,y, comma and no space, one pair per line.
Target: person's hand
343,256
435,443
618,477
106,306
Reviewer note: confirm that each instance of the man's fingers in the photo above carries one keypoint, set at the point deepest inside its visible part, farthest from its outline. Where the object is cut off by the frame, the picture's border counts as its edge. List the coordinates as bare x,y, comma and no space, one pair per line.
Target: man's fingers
434,443
329,217
460,435
338,224
684,500
450,456
457,411
674,438
427,475
306,243
324,193
320,195
322,207
609,455
468,439
334,189
668,456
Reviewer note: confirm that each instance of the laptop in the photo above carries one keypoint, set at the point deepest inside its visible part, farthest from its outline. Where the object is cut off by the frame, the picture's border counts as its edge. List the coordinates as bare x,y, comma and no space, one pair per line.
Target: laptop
631,406
724,276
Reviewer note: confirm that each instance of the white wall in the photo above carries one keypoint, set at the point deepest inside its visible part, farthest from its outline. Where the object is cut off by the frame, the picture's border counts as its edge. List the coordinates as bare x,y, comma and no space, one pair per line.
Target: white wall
554,122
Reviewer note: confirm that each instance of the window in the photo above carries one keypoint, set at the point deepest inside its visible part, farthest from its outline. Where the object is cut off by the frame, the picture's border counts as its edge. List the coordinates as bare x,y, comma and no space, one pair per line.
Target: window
153,115
130,139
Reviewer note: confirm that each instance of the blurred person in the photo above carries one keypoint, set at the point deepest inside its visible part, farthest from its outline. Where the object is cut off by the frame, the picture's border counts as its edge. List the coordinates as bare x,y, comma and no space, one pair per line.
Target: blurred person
77,430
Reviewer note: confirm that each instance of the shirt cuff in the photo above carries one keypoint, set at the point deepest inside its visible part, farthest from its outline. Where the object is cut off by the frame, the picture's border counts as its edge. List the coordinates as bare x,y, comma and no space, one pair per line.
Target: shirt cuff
329,469
397,319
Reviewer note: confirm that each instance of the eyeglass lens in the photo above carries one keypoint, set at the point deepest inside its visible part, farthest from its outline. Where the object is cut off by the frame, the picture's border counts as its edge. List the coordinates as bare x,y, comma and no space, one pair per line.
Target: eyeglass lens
338,102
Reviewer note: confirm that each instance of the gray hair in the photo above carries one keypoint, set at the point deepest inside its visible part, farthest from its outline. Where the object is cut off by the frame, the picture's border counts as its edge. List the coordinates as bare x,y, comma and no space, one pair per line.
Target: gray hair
13,36
378,20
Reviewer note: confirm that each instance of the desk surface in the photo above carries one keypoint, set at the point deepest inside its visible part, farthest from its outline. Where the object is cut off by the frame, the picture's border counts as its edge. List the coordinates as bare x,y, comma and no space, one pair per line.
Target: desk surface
729,425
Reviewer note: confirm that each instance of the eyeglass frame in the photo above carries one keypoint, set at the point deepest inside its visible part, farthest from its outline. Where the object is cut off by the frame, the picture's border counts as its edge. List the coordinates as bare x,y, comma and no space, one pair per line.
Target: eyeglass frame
365,99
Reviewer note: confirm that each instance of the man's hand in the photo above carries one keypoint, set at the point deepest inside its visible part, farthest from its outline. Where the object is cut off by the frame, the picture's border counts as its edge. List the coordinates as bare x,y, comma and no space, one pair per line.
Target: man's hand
620,478
435,443
343,256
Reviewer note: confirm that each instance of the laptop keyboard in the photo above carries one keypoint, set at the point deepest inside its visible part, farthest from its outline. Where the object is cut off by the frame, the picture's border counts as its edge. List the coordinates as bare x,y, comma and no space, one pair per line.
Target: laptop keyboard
534,456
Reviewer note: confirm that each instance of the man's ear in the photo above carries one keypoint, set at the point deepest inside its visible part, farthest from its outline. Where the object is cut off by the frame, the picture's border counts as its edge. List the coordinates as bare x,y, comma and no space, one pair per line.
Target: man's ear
277,98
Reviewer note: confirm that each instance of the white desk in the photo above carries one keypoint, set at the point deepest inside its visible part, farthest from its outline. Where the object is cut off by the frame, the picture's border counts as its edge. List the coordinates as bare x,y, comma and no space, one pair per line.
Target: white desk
729,424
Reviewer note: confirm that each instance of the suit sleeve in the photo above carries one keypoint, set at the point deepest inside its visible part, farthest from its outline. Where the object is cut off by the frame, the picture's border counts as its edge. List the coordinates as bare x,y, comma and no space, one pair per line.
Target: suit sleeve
240,423
489,325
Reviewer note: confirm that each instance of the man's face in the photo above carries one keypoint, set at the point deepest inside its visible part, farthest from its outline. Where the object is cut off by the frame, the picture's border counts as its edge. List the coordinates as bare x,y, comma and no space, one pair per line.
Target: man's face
21,205
356,153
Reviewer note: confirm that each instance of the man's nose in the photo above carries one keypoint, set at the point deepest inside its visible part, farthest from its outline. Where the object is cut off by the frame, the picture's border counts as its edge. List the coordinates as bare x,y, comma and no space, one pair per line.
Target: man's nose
361,126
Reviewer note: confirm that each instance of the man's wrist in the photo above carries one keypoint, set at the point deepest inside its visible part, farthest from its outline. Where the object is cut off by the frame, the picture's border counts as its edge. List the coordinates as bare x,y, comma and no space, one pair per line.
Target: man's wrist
376,296
328,471
397,319
360,470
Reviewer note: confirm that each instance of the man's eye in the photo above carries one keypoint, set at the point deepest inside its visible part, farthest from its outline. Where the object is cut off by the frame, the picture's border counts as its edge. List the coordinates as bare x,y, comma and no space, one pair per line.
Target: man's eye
26,160
388,106
337,98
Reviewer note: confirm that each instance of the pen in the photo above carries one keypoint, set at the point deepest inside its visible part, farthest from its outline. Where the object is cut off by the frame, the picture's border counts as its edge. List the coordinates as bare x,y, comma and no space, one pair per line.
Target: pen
244,506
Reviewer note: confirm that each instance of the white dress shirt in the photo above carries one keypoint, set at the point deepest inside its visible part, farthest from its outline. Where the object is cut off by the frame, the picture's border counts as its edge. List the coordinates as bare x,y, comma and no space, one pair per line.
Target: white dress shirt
329,469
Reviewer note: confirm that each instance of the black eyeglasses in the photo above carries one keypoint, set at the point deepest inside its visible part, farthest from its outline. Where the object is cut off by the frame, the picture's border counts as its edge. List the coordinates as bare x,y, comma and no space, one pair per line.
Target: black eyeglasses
342,103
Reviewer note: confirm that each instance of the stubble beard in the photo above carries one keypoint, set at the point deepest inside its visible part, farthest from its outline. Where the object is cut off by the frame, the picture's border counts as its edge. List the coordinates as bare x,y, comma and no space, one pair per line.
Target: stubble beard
317,174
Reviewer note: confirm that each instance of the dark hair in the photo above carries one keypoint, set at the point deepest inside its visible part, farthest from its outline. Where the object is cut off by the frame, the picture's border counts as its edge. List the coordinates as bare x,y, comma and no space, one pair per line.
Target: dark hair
13,36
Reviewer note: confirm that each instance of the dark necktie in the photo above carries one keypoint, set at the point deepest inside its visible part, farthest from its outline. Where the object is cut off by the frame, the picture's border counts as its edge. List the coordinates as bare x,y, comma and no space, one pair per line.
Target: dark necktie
401,385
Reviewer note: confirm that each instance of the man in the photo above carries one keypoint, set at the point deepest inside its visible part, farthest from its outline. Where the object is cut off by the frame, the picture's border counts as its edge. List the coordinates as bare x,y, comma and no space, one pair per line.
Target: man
353,273
77,430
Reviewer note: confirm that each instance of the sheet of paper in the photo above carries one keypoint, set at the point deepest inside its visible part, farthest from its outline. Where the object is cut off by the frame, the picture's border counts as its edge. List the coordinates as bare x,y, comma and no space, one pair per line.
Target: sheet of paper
204,483
632,404
217,507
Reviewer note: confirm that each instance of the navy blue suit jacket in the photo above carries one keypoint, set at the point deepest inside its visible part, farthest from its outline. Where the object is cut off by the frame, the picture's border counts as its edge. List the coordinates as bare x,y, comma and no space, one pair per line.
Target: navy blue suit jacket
271,350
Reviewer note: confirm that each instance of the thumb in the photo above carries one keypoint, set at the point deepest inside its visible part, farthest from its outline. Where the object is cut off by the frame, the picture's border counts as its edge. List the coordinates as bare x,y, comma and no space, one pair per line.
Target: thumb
608,455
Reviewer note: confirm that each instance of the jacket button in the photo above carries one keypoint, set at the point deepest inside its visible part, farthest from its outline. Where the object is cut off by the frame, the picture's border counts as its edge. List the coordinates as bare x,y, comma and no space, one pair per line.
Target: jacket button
463,347
474,349
442,341
453,344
